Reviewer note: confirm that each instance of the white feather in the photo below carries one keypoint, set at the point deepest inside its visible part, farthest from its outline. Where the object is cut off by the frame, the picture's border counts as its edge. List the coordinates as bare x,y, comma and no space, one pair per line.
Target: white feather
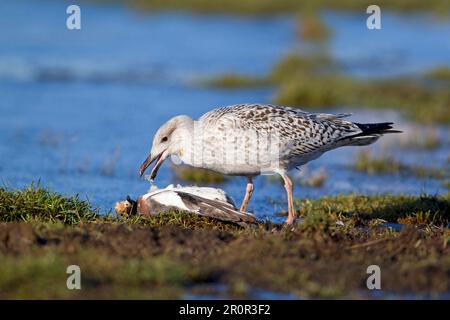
169,196
205,192
170,199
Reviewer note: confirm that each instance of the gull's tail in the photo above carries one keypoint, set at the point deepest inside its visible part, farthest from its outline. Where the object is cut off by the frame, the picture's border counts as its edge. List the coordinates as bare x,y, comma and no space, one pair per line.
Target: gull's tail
376,128
370,132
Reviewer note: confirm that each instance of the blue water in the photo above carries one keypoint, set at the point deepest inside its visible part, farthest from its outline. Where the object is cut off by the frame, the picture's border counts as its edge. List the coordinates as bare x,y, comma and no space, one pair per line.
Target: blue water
79,108
405,44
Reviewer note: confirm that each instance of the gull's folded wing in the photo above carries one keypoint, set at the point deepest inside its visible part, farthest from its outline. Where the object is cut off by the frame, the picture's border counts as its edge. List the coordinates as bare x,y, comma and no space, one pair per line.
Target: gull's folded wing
215,209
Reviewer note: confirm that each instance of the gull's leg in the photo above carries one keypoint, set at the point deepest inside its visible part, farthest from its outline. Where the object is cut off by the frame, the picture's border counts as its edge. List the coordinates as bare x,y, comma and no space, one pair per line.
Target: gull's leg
288,186
248,194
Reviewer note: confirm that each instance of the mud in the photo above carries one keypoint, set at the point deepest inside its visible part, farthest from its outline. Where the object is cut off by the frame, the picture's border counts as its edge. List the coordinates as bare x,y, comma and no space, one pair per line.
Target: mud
307,264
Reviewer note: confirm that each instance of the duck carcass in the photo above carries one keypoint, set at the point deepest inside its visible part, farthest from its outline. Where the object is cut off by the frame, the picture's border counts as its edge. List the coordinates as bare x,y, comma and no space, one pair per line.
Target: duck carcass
205,201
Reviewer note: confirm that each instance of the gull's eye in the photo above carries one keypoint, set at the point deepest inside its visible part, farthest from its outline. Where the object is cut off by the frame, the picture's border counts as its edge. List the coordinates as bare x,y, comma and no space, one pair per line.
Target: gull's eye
164,139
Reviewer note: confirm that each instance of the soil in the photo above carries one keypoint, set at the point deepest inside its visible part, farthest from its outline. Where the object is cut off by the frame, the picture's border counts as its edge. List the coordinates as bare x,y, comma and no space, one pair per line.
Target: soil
303,263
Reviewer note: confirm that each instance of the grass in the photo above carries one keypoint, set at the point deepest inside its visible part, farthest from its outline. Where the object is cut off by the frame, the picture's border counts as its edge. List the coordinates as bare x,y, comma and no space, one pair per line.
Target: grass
270,7
383,164
163,256
311,28
185,220
233,81
367,163
39,204
294,64
122,276
362,210
439,73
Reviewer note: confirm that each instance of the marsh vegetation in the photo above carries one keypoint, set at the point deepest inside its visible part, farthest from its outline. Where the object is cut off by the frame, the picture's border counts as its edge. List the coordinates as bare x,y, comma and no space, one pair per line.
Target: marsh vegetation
163,256
385,164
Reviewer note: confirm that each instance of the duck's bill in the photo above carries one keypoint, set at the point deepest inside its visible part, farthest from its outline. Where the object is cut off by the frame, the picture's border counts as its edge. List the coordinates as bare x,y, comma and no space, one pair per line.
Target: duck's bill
159,160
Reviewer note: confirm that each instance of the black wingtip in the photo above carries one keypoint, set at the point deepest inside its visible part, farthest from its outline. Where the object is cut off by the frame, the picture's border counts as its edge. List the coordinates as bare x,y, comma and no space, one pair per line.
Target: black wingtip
376,128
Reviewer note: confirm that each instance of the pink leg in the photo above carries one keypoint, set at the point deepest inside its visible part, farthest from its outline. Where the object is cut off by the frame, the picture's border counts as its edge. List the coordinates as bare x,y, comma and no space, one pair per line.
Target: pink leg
248,194
288,186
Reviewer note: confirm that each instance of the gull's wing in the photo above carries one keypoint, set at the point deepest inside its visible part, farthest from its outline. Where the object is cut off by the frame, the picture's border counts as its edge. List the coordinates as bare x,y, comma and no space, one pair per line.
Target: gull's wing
215,209
301,133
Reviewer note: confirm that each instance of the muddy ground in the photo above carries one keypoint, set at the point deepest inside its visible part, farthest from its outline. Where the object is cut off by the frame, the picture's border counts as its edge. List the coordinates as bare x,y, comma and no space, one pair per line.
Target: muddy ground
119,260
179,255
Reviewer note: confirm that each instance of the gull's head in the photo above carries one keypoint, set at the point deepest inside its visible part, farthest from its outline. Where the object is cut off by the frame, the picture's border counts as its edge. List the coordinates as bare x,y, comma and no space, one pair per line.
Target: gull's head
168,140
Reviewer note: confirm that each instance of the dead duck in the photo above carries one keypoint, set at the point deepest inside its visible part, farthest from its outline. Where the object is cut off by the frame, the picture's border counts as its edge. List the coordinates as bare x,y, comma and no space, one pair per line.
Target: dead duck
205,201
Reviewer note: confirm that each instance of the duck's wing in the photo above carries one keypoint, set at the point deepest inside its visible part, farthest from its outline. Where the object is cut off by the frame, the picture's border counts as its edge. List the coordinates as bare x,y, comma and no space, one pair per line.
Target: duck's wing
215,209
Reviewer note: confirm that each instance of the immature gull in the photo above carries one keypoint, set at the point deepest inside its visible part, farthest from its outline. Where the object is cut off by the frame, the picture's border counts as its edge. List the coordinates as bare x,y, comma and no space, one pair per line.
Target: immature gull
253,139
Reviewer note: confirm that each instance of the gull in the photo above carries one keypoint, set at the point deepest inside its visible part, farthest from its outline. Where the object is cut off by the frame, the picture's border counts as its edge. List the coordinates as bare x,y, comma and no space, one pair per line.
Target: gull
253,139
205,201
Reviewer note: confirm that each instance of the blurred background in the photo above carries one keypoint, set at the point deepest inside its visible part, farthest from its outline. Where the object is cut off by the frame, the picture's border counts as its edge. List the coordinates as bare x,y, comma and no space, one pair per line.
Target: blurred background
79,107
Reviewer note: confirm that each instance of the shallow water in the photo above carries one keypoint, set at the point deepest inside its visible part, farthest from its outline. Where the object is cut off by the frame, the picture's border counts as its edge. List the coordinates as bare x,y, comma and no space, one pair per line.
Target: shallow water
79,108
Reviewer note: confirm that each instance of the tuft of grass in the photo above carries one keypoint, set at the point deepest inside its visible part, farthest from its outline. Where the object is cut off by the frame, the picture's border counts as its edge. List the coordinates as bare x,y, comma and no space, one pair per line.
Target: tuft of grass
37,203
291,66
198,176
294,65
384,164
439,73
234,81
366,162
446,184
311,28
359,209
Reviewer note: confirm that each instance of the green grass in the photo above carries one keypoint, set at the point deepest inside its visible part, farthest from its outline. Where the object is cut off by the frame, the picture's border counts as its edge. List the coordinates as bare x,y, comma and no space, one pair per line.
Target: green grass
311,28
360,209
36,276
37,203
383,164
183,219
294,64
34,206
233,81
270,7
439,73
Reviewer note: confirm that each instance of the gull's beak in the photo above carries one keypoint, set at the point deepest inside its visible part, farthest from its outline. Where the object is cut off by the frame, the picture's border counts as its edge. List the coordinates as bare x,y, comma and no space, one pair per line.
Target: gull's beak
159,160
